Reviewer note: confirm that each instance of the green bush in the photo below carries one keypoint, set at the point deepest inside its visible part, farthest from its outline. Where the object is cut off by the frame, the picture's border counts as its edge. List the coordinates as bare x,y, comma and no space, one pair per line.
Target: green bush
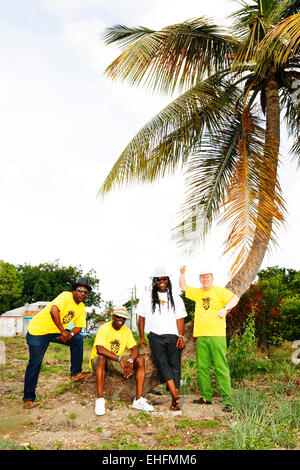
290,318
242,359
241,351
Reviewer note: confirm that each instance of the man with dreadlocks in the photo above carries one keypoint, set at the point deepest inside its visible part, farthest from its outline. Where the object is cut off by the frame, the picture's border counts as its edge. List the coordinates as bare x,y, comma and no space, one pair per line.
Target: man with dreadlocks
162,315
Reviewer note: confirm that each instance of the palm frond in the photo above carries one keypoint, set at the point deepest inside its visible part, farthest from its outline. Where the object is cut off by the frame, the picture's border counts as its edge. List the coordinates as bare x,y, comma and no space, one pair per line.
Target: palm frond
208,174
172,134
291,7
258,16
290,104
282,43
176,56
243,59
123,35
229,182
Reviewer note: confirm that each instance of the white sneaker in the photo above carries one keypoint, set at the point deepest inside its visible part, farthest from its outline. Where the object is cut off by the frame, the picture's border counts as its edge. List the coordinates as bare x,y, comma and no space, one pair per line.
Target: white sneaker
142,404
100,406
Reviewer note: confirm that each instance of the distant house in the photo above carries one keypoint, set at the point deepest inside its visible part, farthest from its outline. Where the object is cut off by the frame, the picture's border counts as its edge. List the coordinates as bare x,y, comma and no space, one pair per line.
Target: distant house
15,322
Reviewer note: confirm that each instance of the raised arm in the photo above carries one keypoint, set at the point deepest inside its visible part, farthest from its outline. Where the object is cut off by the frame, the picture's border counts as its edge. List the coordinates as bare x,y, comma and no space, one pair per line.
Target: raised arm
182,283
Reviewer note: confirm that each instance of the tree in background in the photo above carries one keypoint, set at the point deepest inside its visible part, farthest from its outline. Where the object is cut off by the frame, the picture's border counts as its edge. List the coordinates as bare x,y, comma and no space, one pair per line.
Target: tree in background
47,280
11,285
275,301
225,127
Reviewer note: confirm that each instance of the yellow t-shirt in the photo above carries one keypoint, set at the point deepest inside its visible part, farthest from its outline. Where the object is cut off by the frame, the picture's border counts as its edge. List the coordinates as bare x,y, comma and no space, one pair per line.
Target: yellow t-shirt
70,311
115,341
208,304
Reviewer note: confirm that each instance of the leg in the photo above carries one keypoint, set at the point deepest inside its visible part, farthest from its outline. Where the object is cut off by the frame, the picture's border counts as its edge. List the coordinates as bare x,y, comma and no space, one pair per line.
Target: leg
222,370
37,348
100,375
174,360
140,403
158,345
203,359
140,375
172,388
76,351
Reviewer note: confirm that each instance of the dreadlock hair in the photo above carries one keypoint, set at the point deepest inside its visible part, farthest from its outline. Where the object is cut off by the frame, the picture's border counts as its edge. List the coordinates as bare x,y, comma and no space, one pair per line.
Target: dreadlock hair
155,298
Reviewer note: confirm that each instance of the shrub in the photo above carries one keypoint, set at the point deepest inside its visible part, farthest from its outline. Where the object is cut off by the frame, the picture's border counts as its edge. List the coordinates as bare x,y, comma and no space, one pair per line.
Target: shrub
275,299
241,351
290,314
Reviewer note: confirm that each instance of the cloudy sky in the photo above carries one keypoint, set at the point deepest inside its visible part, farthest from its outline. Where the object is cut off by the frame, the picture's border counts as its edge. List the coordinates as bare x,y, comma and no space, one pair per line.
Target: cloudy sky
63,125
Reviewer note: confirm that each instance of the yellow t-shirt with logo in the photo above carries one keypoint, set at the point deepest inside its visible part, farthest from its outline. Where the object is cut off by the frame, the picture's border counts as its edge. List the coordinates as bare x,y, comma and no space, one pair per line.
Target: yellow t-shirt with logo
70,311
208,304
115,341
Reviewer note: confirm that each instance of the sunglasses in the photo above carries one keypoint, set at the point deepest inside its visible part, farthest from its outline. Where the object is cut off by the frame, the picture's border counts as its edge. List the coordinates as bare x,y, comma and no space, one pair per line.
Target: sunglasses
158,279
84,291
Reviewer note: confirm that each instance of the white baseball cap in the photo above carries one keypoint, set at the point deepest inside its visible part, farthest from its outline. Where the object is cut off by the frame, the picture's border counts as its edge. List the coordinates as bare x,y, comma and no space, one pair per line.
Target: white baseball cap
160,271
205,270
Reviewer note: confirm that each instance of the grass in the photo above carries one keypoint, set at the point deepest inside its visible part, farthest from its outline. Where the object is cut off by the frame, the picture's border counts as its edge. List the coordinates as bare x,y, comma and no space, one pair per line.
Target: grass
266,413
261,423
141,419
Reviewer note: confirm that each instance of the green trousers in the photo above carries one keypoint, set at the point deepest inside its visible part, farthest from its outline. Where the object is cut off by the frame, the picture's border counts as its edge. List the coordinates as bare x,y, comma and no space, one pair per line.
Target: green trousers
213,348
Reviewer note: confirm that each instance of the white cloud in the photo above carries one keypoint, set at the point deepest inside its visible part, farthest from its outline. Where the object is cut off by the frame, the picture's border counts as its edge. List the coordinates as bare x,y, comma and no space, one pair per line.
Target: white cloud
63,126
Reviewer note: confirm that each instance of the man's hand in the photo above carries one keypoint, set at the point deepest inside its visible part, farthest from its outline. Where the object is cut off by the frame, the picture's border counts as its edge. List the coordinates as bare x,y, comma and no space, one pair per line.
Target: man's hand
65,336
182,283
222,313
180,343
127,368
142,343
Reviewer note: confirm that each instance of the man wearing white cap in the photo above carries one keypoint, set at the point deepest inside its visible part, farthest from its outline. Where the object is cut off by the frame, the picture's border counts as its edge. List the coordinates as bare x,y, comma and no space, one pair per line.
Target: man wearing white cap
212,305
161,315
111,341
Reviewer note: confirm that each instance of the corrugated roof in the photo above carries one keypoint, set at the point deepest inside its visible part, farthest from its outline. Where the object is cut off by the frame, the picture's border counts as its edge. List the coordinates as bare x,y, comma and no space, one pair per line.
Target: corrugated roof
27,309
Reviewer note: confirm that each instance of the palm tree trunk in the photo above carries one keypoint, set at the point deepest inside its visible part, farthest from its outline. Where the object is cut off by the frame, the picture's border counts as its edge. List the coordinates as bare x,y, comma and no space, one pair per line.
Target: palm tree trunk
247,273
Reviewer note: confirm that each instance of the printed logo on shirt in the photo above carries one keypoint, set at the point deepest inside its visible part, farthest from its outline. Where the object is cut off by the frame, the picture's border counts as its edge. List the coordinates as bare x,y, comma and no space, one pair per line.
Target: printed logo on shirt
115,346
206,302
68,318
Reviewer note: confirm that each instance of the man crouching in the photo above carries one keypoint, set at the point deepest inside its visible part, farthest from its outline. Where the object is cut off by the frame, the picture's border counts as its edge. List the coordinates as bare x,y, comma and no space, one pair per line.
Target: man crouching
110,343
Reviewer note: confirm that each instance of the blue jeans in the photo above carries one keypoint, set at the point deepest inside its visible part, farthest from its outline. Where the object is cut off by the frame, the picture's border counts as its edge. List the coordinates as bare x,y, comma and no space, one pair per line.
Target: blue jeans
38,345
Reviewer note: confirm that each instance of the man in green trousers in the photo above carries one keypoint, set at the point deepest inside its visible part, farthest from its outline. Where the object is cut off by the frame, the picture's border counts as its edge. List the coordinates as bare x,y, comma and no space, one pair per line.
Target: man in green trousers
212,305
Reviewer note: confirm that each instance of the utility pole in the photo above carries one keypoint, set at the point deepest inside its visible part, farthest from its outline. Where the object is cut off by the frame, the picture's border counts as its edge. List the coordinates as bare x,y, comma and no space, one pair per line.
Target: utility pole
132,307
133,304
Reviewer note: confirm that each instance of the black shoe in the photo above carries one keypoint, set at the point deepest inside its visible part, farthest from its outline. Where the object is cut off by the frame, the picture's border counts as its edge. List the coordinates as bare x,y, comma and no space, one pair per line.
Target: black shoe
202,401
227,408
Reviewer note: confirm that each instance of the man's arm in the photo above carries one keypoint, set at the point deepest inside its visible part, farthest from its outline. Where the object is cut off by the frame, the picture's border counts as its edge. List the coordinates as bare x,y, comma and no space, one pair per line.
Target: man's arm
232,303
182,283
141,331
65,335
180,327
101,350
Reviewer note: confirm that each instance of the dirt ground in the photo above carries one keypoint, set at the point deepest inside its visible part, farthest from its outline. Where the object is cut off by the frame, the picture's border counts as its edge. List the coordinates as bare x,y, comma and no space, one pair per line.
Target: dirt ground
65,419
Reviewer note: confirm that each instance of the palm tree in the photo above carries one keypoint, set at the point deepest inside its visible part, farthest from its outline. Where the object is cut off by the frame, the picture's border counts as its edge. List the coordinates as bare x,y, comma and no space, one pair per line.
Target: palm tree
223,128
